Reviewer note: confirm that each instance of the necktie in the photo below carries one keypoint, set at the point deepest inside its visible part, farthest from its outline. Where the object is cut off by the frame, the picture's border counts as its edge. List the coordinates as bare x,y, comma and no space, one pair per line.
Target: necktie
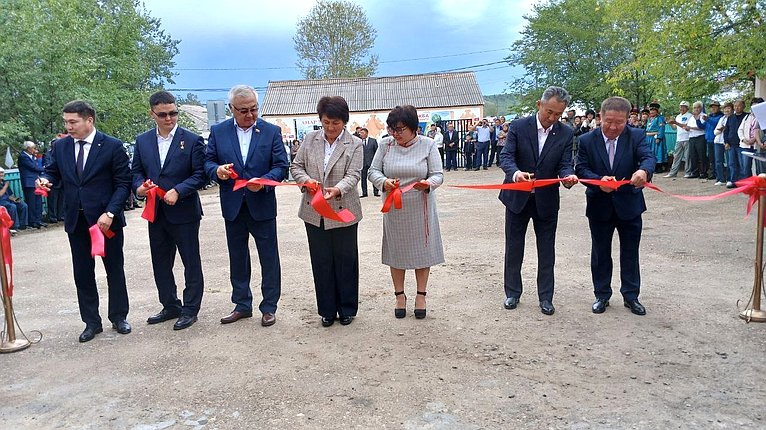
80,158
611,143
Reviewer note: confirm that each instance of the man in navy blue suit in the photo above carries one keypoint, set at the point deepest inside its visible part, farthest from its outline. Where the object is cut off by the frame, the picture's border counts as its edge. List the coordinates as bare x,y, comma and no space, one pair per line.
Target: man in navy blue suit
173,158
93,170
537,147
29,170
252,148
615,152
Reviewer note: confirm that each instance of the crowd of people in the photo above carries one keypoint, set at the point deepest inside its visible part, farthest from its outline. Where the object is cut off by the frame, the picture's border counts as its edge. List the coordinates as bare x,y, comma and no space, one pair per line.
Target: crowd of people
95,177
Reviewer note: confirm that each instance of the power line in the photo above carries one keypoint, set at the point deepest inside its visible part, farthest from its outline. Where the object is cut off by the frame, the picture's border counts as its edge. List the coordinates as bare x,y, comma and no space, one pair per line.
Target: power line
250,69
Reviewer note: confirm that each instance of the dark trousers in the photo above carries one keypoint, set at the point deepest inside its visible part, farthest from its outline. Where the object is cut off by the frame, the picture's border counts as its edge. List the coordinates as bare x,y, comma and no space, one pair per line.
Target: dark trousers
17,211
238,234
710,160
164,239
55,204
515,237
697,156
494,154
441,154
363,180
482,153
35,206
469,151
451,160
335,266
601,233
85,277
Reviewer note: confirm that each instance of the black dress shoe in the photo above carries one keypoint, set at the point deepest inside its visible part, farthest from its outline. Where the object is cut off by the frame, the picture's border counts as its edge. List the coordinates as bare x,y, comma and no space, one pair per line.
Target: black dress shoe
511,302
346,320
547,307
363,195
377,194
122,327
185,321
42,224
89,333
327,322
599,306
635,307
163,316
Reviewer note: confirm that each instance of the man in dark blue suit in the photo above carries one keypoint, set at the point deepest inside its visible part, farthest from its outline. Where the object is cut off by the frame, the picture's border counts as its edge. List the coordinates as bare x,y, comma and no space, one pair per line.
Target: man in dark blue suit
173,158
614,152
252,148
537,147
29,170
93,170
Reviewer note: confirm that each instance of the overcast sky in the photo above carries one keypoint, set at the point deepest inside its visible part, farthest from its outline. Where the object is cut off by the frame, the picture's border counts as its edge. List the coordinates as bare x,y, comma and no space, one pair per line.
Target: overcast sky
258,35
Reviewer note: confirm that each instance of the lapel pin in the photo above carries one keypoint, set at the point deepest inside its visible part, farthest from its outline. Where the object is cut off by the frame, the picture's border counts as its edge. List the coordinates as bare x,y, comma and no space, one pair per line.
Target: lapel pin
181,145
257,130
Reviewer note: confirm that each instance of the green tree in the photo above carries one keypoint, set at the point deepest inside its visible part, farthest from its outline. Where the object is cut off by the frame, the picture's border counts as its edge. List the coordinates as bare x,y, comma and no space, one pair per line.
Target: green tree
108,52
334,41
190,99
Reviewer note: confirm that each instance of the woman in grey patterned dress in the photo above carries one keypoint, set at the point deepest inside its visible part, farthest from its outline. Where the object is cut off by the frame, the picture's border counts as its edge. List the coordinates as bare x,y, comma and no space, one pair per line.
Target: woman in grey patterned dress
411,236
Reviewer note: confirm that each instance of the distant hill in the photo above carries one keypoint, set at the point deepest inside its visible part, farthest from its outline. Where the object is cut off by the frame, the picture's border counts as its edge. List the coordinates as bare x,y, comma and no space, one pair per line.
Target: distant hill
498,104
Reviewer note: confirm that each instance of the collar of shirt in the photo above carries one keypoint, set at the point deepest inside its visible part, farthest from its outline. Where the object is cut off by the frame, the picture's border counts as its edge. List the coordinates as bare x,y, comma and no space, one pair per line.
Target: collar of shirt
606,139
337,139
170,135
540,128
90,138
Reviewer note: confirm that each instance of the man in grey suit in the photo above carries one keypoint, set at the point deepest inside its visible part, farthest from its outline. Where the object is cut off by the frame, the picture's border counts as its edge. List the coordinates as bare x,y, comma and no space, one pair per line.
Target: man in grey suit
370,146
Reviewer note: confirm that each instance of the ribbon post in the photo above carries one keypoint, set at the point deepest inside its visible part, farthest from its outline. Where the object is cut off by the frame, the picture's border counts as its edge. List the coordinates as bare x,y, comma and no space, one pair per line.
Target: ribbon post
11,344
755,314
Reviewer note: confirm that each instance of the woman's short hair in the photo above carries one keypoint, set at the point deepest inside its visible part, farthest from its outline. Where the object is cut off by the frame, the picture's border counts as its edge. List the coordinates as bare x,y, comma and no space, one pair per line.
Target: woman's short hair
730,105
333,107
697,104
406,115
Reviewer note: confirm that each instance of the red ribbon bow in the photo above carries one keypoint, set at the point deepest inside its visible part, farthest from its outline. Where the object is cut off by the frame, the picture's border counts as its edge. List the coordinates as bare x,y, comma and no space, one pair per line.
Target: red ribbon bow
153,192
97,242
318,201
6,222
41,192
394,197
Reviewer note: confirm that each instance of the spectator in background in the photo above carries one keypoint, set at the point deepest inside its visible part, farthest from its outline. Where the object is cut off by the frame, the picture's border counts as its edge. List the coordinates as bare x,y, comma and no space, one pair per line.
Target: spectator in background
697,166
15,207
451,140
710,126
29,170
483,137
720,147
435,133
369,147
750,140
589,122
731,142
469,147
655,136
682,140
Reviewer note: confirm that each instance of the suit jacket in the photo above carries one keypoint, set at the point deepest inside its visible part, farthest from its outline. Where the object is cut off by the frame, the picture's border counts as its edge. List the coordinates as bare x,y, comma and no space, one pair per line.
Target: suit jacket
29,170
369,152
455,139
521,153
266,158
105,183
632,153
184,170
343,171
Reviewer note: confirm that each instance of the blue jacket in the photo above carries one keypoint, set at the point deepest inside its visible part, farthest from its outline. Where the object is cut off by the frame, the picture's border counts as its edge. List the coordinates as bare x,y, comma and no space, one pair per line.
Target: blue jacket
29,170
266,158
710,125
730,135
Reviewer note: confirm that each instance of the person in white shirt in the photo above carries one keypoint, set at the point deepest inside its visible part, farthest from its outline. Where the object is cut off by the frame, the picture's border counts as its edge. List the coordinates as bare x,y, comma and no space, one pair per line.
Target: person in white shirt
720,143
697,165
682,139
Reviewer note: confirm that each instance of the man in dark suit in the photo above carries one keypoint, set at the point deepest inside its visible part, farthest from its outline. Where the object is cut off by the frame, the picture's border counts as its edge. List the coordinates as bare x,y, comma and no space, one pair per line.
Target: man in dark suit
173,158
95,178
451,144
253,149
612,152
369,146
537,147
29,170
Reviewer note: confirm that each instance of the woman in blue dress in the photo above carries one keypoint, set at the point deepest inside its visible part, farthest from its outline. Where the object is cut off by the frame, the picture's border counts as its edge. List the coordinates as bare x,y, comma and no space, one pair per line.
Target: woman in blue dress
655,136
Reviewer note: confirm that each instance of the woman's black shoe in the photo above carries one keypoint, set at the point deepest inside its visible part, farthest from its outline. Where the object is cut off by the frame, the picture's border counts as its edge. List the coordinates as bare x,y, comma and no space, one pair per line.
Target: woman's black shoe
420,313
400,312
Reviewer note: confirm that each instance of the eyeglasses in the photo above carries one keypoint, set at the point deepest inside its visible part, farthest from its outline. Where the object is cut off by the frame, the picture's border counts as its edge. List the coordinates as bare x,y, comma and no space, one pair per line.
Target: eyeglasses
164,115
397,130
244,111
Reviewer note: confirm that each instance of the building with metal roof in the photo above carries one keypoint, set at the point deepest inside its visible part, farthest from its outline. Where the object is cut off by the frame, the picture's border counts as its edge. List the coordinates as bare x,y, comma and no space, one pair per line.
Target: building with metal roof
437,96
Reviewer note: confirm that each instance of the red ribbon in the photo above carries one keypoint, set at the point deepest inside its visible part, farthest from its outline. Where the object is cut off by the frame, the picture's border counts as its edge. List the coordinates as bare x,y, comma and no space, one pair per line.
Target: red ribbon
6,222
394,197
516,186
97,242
318,202
152,194
41,192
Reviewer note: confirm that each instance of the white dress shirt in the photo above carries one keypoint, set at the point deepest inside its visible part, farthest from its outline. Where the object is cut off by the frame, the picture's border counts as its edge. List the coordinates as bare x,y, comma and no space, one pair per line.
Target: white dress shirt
88,142
328,148
163,144
244,136
542,136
